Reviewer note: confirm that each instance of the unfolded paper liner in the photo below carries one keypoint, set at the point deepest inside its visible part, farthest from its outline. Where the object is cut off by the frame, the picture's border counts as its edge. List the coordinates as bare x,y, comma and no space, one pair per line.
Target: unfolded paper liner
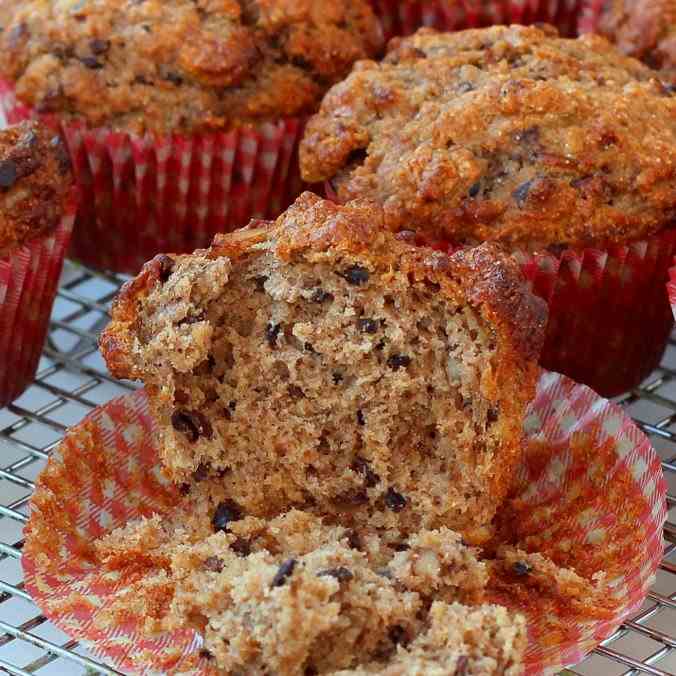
106,472
403,17
29,277
143,195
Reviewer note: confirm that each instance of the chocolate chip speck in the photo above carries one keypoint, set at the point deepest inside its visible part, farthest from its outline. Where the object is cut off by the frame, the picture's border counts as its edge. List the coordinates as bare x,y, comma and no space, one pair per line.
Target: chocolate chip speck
397,635
214,564
320,296
341,574
520,195
8,173
474,189
521,568
283,573
191,423
99,46
91,62
204,653
394,500
271,333
360,418
356,274
225,514
166,267
241,547
396,361
367,325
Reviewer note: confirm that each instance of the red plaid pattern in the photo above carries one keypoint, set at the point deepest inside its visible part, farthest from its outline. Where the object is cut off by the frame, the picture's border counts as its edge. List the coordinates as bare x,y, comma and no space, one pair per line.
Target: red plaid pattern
589,15
106,472
29,277
143,195
404,18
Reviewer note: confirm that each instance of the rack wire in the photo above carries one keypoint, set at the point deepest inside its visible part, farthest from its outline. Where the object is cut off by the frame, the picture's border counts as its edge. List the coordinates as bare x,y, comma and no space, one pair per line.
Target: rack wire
72,380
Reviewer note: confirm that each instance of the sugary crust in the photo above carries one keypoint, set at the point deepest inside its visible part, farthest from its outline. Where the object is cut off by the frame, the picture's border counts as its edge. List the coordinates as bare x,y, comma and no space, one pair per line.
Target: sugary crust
182,65
508,133
644,29
35,183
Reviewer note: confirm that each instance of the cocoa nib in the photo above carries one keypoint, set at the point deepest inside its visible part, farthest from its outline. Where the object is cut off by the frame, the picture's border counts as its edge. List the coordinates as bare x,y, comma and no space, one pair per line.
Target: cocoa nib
191,423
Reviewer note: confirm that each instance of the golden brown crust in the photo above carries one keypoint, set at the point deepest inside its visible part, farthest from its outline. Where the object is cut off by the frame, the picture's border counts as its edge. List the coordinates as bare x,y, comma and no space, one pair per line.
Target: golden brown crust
182,65
644,29
506,133
486,274
35,183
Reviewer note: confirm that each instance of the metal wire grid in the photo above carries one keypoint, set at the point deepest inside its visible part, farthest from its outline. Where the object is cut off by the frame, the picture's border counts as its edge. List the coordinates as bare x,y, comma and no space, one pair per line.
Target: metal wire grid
72,380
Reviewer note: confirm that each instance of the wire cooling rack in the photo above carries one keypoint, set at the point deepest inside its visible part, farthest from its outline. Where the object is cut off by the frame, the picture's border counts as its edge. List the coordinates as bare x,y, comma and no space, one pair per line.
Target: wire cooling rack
73,379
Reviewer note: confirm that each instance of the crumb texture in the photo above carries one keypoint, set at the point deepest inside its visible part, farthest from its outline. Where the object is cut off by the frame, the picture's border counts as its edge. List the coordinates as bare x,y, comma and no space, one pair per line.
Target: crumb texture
356,377
35,183
294,596
181,65
507,133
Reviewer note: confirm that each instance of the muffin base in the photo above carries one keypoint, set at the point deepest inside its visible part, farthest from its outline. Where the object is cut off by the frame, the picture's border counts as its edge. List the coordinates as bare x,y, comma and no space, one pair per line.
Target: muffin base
143,195
28,281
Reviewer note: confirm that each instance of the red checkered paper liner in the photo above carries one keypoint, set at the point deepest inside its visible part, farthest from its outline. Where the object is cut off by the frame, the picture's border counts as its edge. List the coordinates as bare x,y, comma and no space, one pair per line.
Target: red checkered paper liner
589,16
29,277
143,195
106,472
403,17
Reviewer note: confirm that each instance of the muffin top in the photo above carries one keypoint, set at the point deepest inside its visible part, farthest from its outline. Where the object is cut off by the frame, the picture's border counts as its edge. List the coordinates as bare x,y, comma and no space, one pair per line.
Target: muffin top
507,133
181,65
645,29
35,182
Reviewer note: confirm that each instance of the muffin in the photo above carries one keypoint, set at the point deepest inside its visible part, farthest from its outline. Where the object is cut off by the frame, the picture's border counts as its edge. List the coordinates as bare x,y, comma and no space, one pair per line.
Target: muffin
562,150
37,210
383,379
403,17
295,595
644,29
182,118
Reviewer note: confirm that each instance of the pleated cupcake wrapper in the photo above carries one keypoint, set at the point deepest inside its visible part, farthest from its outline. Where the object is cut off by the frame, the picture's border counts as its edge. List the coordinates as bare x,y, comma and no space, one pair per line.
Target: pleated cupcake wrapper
143,195
29,277
106,472
403,17
589,16
609,314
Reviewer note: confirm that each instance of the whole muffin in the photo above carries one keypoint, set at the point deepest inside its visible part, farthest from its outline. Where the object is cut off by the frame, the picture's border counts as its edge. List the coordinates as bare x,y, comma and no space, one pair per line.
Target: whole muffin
513,134
182,117
644,29
37,210
182,65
